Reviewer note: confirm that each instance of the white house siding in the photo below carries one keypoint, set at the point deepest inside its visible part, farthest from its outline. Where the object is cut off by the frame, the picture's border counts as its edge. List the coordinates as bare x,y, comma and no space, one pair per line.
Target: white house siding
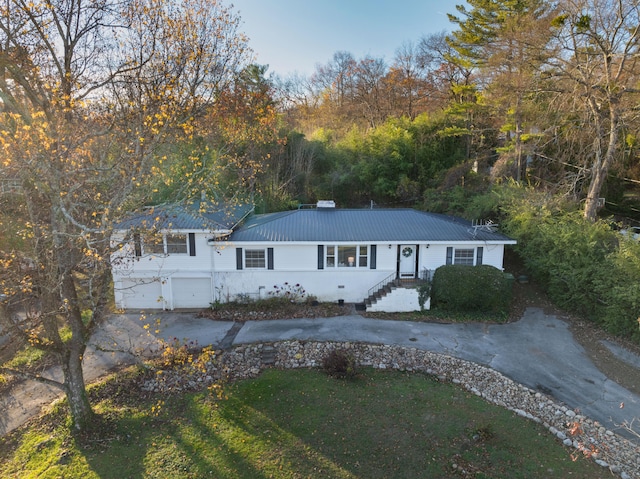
352,286
183,281
164,281
435,255
298,264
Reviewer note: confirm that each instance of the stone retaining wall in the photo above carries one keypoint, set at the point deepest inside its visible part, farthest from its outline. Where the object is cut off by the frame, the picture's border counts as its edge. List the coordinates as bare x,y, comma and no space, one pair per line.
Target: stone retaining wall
606,448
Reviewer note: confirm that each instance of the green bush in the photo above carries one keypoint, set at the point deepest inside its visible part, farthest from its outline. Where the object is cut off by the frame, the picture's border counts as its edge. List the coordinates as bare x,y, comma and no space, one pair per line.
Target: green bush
471,288
584,266
617,291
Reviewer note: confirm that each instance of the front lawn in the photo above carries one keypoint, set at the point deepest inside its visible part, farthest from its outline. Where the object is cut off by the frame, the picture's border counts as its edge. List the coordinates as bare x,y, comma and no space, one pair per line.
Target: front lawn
295,424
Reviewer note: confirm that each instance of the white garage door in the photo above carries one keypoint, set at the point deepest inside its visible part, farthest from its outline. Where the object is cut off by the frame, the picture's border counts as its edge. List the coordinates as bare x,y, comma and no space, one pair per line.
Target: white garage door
142,294
191,292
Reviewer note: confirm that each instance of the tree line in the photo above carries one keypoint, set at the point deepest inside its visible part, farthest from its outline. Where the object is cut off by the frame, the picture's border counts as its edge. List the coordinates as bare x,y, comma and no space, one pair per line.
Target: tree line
542,92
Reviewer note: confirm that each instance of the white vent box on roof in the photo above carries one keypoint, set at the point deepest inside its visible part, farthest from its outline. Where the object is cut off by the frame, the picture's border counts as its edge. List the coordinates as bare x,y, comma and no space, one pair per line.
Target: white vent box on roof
326,204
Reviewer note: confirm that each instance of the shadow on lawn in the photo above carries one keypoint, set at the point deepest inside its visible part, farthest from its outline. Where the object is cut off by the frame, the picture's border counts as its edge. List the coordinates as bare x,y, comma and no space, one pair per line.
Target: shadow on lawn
196,439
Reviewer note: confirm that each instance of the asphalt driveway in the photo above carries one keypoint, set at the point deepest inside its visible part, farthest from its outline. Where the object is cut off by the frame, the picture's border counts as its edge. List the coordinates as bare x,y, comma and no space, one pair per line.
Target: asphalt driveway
537,351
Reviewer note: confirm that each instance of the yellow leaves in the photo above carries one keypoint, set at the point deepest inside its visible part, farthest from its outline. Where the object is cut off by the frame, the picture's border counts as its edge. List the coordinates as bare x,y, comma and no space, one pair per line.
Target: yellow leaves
92,254
156,409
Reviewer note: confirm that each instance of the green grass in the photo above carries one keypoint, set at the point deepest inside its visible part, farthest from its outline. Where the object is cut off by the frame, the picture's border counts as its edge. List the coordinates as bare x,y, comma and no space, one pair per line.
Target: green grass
26,357
296,424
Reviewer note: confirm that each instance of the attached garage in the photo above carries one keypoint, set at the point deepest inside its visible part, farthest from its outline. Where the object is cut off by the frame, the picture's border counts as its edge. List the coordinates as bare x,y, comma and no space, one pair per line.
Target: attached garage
142,294
191,292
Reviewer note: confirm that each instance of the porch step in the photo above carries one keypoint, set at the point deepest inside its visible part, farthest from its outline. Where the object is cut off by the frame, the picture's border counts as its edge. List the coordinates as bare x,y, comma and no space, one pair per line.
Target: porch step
381,293
387,289
268,355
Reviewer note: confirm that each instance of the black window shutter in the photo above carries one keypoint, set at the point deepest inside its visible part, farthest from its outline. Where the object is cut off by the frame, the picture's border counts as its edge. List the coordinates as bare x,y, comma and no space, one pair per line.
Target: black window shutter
269,258
372,259
238,258
137,244
450,255
479,255
320,256
192,244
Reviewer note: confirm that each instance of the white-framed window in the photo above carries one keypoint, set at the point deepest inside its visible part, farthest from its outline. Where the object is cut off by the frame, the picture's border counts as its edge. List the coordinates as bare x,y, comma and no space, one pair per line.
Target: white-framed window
363,256
331,256
255,258
163,244
153,243
176,243
464,256
347,256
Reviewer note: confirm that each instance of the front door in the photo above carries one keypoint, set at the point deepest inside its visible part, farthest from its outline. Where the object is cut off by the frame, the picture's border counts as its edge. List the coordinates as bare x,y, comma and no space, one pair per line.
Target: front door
407,263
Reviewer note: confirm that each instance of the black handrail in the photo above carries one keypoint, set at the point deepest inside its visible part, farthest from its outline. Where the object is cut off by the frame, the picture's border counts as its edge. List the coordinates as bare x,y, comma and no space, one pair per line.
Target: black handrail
388,280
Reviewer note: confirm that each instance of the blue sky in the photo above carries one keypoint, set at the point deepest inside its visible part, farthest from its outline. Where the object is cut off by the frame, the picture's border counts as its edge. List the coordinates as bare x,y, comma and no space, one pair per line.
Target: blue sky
295,35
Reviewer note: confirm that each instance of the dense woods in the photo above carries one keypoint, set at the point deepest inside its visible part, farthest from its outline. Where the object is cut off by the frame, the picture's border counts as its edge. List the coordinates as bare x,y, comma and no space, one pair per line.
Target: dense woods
109,106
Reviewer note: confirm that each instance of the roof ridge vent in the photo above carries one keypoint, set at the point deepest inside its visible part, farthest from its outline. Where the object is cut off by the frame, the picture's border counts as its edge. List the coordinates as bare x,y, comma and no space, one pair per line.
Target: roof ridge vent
324,204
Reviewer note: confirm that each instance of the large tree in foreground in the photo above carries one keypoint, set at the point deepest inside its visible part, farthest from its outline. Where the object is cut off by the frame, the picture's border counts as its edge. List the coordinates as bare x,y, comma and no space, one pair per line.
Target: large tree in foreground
91,92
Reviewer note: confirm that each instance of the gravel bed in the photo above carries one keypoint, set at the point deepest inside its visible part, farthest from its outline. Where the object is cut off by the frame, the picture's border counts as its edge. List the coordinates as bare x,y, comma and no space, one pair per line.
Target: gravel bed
606,448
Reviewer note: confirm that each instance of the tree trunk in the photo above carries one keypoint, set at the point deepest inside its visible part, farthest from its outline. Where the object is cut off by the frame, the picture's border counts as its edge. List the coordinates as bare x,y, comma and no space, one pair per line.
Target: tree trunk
518,145
79,407
601,166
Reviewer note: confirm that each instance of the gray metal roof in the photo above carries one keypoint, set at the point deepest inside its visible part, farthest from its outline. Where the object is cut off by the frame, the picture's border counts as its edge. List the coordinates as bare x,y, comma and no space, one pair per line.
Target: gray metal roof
361,225
190,217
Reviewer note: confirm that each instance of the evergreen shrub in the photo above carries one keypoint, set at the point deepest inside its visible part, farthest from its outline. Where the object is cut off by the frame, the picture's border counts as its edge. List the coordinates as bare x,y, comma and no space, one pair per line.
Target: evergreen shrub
461,288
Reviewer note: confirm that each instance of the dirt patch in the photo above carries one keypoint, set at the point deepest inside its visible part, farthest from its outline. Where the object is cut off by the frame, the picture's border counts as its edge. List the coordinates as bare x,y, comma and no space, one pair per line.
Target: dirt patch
268,309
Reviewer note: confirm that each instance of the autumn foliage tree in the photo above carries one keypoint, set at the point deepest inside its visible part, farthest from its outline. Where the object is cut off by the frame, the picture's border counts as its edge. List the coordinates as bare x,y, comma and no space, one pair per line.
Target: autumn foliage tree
91,94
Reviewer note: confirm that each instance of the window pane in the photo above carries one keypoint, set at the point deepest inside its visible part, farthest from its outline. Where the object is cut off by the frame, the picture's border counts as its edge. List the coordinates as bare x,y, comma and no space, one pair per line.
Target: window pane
331,256
153,244
347,256
254,258
463,256
362,257
176,244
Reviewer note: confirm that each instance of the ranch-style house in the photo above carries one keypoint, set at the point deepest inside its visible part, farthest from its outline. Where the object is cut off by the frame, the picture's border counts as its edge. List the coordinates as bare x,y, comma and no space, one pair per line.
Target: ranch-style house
189,256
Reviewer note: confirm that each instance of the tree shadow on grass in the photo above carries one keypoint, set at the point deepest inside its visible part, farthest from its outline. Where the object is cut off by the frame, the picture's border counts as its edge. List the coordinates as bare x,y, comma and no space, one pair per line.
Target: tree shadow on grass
272,445
171,438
